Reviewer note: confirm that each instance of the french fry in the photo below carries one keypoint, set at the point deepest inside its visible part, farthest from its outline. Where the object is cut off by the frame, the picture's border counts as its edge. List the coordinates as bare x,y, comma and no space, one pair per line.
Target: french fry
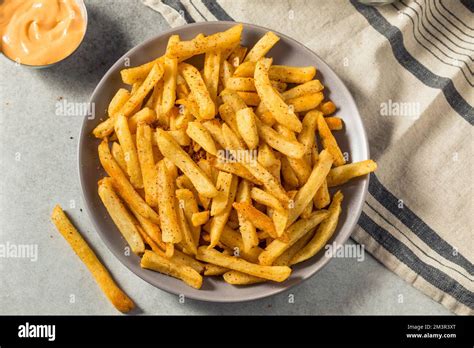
150,229
265,198
207,108
190,208
147,164
225,73
234,168
327,108
322,199
307,135
200,218
171,150
247,127
155,262
170,76
342,174
233,240
267,179
200,135
238,55
334,123
323,233
309,189
123,186
310,87
285,258
229,117
188,240
239,278
277,247
258,219
285,74
156,73
117,153
329,142
290,148
262,47
145,115
289,175
223,185
306,102
212,62
271,99
247,229
139,73
171,232
233,99
116,296
249,98
219,41
106,127
121,217
275,273
129,150
219,220
214,270
247,84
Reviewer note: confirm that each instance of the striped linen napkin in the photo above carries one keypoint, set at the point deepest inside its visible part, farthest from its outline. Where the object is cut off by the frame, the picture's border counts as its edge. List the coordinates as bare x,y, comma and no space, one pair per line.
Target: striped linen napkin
409,66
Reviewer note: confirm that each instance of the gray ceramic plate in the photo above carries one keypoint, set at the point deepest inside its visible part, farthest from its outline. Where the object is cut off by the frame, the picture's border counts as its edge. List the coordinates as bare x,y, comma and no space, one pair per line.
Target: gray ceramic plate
352,139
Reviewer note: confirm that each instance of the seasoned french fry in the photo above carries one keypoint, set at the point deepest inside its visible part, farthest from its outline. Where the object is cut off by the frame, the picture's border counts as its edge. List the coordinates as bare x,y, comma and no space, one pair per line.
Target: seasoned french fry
171,150
306,102
117,153
271,99
247,127
123,186
239,278
309,189
249,98
225,73
200,218
200,135
137,97
285,258
294,232
265,198
212,62
233,240
147,164
327,108
188,240
170,76
247,229
323,233
214,270
322,199
291,148
267,179
262,47
171,232
121,217
309,87
237,56
329,142
342,174
219,41
219,220
190,207
145,115
219,202
106,127
207,108
234,168
129,150
155,262
285,74
258,219
119,299
247,84
276,273
334,123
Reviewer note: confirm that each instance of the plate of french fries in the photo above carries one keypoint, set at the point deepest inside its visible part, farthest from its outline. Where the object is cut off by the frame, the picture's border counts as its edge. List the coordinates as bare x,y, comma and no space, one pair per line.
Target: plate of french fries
223,160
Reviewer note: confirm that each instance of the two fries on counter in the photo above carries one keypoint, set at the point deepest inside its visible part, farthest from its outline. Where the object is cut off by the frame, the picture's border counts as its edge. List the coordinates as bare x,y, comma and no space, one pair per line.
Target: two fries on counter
217,171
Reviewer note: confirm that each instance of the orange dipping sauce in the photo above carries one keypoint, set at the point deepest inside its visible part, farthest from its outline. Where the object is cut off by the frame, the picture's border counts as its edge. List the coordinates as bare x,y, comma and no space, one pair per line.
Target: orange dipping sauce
40,32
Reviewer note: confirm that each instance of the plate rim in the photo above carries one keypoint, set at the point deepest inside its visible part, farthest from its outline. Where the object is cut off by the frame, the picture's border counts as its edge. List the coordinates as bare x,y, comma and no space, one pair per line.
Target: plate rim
165,287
